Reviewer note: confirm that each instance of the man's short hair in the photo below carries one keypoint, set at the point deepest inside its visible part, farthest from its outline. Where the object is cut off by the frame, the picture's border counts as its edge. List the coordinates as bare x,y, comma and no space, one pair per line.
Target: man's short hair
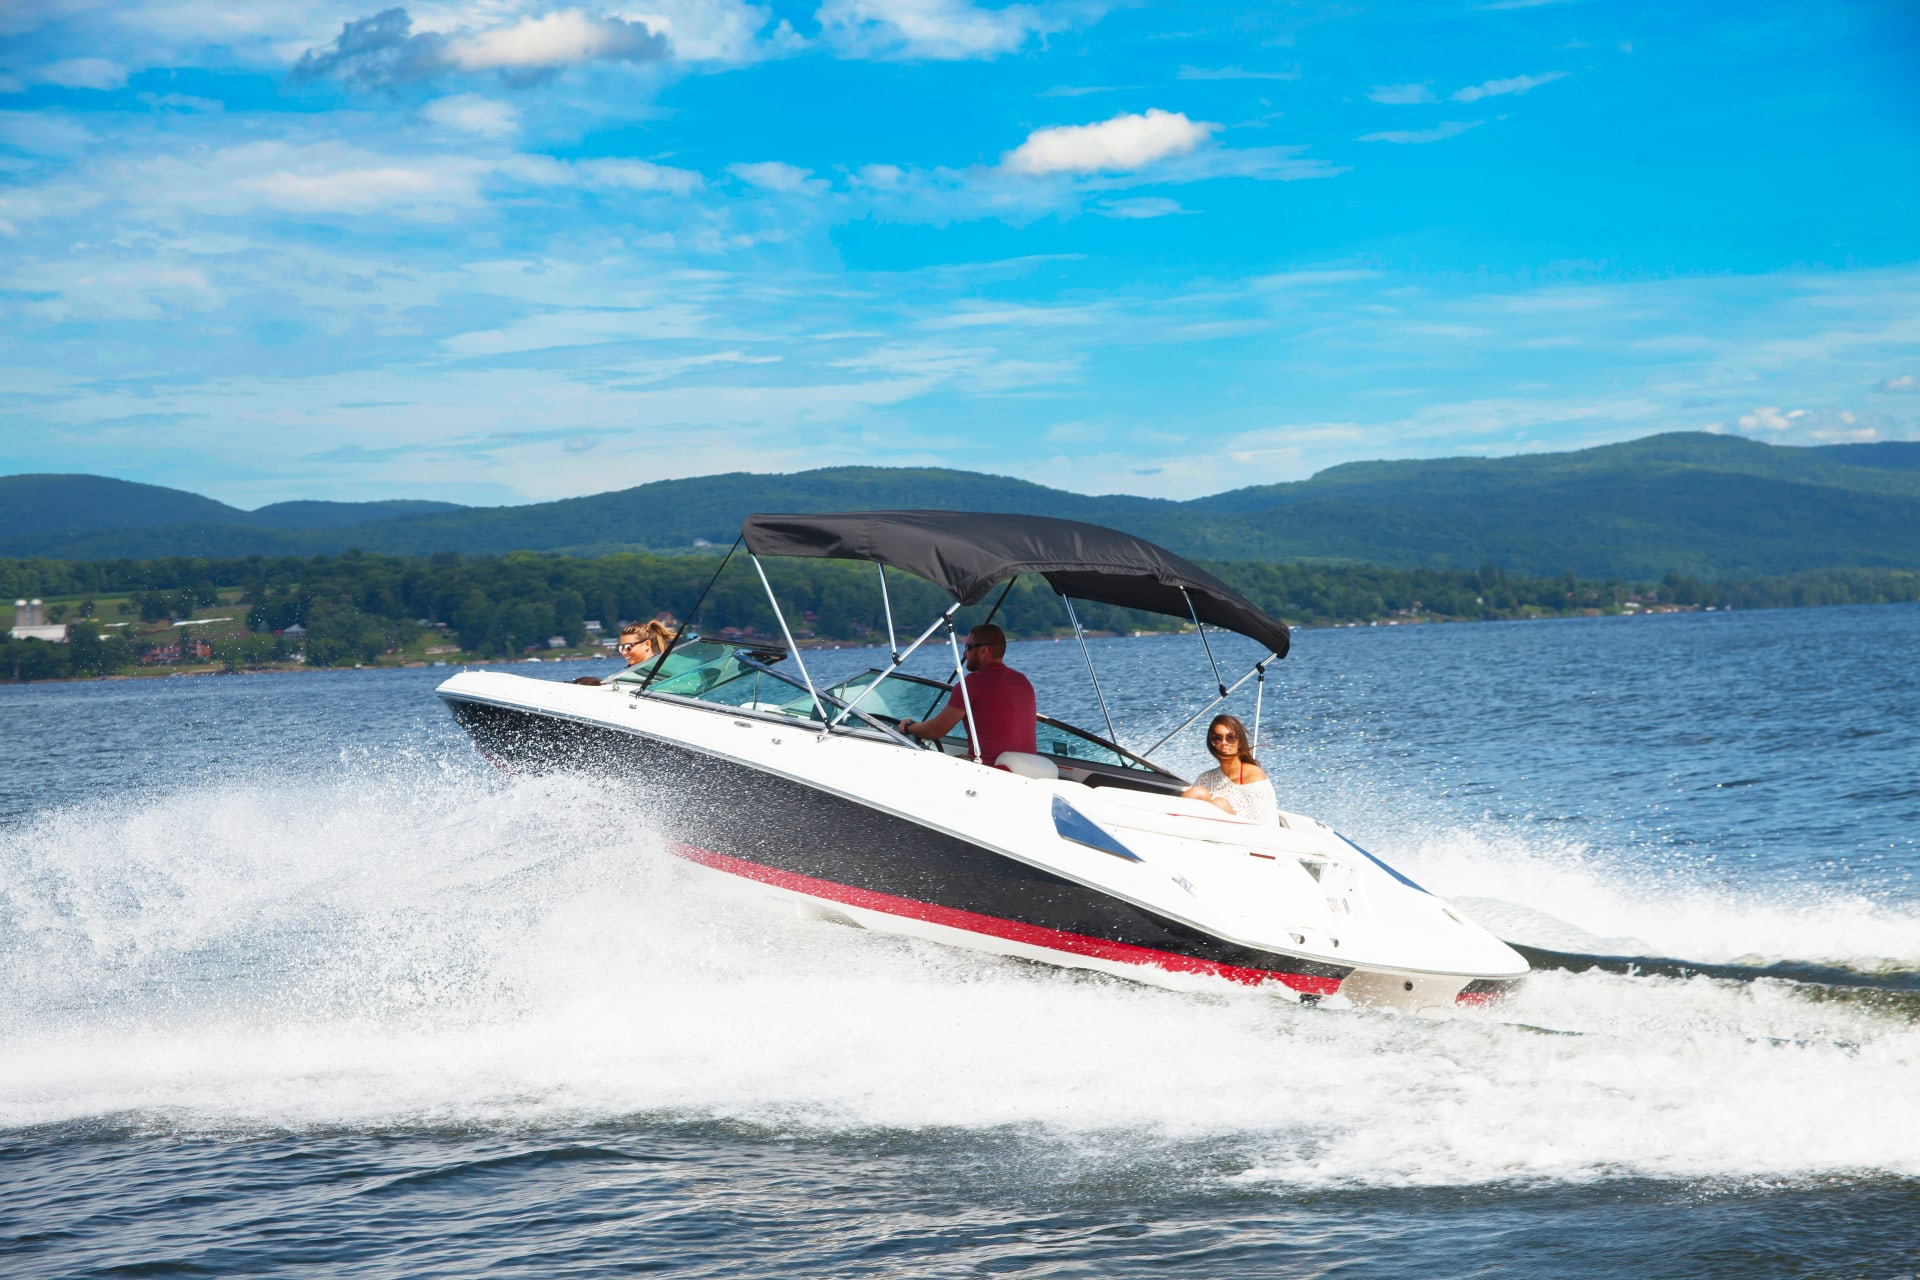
990,636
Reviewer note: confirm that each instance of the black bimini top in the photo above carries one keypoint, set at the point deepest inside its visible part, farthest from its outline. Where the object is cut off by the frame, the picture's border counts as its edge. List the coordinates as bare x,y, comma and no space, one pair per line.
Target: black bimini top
967,553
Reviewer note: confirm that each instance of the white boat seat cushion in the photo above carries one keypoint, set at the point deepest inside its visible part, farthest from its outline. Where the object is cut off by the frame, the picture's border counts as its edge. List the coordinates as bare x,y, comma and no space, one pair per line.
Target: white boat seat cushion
1028,765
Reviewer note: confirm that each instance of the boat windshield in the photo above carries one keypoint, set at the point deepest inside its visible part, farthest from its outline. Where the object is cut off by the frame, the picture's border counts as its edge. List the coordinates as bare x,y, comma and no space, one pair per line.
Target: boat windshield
901,697
688,657
726,676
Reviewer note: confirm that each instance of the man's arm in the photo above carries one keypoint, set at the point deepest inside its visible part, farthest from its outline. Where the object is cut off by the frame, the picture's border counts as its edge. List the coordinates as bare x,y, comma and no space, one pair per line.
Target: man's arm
936,726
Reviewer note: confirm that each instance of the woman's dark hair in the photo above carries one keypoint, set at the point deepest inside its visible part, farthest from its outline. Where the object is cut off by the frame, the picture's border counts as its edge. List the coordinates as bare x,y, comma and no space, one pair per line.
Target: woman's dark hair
1240,734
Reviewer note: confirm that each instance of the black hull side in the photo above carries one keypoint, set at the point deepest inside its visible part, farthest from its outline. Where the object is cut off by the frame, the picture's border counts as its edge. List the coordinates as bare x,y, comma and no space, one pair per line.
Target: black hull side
715,805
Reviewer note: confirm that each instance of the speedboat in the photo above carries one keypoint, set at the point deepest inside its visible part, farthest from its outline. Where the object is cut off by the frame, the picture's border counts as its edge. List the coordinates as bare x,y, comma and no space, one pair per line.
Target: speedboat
1082,854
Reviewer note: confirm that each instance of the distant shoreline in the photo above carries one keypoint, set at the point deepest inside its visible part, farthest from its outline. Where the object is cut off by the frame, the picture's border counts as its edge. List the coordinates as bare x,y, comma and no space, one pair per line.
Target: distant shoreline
300,668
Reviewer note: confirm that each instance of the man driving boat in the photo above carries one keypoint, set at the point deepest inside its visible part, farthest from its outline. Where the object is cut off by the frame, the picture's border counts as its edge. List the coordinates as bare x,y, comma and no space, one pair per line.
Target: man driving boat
1002,698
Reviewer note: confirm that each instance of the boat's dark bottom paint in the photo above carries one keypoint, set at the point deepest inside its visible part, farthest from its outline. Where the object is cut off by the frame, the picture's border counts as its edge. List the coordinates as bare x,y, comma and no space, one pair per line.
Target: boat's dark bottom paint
1069,944
753,819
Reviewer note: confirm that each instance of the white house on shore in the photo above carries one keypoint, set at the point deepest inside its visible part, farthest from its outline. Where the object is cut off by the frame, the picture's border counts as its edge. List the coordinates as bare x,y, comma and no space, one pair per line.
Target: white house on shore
30,623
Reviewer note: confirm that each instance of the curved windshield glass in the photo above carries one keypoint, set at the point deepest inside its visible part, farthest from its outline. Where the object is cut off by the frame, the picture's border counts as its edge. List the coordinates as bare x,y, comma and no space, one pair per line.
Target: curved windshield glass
898,697
1056,739
722,675
687,656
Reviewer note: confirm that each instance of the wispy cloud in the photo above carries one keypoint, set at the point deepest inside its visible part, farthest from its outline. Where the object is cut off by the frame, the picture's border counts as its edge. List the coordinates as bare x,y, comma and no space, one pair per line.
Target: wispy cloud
1140,207
471,113
1400,95
68,73
1439,133
778,176
938,29
1237,73
639,175
1905,382
1501,88
181,102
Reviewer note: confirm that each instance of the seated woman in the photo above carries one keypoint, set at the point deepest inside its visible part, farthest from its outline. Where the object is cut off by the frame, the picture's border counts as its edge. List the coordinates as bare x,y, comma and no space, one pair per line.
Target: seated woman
643,642
639,642
1237,783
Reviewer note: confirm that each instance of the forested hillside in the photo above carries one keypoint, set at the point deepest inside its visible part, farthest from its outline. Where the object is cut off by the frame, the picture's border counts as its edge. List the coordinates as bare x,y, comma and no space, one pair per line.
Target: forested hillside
373,609
1714,507
76,506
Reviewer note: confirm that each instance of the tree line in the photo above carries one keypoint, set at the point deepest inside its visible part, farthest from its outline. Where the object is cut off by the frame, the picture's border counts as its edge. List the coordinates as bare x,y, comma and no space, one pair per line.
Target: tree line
356,607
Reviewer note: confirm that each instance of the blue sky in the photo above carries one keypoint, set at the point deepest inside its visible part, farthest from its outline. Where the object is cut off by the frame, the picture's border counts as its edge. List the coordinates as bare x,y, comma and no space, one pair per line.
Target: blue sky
515,250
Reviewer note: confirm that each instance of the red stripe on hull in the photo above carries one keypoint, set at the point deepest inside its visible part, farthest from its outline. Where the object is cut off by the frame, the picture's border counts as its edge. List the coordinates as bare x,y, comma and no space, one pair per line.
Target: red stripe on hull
997,927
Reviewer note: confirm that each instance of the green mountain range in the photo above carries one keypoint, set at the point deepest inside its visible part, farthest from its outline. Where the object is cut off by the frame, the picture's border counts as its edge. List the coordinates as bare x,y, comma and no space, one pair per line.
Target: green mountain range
1705,505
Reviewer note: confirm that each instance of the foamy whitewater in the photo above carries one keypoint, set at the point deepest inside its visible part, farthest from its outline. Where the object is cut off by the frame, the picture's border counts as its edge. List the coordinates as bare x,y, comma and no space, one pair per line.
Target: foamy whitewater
351,932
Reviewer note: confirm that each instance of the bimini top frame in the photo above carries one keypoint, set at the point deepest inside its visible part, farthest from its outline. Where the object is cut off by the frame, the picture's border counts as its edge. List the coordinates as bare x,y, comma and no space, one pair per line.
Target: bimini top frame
968,553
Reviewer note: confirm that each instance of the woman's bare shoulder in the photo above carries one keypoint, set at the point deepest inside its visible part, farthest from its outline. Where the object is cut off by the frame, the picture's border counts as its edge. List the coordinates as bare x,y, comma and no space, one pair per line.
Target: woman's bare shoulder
1254,773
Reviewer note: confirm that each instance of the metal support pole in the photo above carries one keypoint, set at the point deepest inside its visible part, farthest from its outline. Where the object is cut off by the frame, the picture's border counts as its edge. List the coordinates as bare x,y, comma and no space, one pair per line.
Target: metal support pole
792,648
686,622
1080,635
966,699
893,645
958,668
1218,683
1224,694
898,660
1259,691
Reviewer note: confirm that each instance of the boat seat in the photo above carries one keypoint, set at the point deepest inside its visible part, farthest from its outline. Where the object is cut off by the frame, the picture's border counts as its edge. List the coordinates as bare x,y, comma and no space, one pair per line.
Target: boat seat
1028,765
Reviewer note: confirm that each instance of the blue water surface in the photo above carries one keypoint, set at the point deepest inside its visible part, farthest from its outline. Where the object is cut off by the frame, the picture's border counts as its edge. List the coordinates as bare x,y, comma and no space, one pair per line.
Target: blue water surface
291,983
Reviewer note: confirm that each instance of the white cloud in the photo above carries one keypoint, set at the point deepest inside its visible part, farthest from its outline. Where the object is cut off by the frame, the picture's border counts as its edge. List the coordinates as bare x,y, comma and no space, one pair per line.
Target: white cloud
1142,207
582,326
1499,88
1400,95
316,179
384,49
182,102
977,315
713,30
1120,145
80,73
1905,382
1237,73
640,175
43,133
348,190
1439,133
884,177
778,176
1262,164
471,113
931,28
1769,418
558,39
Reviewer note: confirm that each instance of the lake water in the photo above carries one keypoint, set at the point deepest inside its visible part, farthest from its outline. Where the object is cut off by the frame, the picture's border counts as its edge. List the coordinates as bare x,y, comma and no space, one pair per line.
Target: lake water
292,984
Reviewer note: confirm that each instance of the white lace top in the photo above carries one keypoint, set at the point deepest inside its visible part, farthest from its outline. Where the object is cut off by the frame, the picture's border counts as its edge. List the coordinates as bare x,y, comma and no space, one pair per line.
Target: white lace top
1253,802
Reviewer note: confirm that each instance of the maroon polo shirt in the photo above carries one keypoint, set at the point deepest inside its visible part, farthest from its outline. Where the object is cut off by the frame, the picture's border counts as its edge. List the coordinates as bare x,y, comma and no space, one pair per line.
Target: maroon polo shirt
1003,710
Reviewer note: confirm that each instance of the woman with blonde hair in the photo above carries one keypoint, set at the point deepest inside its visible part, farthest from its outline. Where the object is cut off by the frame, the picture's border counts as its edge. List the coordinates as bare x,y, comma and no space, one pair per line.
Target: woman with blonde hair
1236,783
644,641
